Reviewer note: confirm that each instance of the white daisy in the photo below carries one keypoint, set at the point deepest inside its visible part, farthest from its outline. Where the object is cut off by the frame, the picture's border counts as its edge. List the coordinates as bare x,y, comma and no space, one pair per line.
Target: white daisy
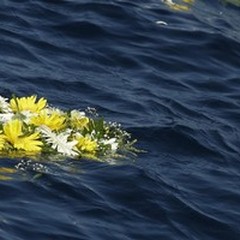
4,105
77,114
27,115
59,142
5,117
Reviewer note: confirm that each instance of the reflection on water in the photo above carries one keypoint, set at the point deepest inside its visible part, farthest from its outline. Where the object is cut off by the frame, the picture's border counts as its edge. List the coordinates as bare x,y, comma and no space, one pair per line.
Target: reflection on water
184,5
6,173
234,2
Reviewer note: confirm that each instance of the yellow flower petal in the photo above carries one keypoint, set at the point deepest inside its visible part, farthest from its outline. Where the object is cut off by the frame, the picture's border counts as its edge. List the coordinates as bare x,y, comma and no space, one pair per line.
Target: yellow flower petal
14,135
12,130
29,143
79,123
85,144
55,121
2,141
78,119
28,104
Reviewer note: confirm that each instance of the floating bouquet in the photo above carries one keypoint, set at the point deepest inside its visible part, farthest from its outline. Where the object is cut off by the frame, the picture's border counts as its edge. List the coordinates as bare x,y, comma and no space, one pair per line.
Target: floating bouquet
30,127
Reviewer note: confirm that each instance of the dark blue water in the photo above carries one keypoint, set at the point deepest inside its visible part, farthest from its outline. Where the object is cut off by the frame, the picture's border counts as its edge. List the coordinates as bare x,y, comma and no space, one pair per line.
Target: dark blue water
175,87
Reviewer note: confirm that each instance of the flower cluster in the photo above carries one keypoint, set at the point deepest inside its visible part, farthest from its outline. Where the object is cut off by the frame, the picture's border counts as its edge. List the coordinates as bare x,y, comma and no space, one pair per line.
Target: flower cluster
29,126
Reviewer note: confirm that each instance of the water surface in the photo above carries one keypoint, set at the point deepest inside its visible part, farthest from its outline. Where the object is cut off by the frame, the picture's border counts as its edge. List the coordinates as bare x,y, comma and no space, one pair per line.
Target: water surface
175,87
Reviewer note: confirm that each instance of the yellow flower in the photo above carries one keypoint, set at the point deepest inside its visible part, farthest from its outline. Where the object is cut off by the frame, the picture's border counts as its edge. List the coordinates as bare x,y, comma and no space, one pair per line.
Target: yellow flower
14,135
30,143
54,120
80,122
78,119
28,104
86,144
13,130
